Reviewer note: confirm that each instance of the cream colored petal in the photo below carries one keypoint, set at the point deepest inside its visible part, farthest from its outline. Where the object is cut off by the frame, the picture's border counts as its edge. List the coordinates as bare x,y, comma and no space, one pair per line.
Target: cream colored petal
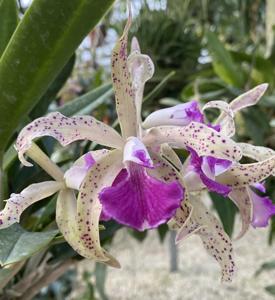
66,218
241,175
67,130
257,153
75,175
247,99
227,124
122,84
169,154
215,240
101,175
241,198
141,69
17,203
204,140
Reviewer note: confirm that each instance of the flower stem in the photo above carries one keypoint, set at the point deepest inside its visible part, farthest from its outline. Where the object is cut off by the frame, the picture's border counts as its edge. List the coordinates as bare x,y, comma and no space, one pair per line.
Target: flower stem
37,155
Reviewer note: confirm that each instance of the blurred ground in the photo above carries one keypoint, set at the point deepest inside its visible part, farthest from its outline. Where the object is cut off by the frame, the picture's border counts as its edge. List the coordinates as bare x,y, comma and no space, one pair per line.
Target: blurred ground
145,270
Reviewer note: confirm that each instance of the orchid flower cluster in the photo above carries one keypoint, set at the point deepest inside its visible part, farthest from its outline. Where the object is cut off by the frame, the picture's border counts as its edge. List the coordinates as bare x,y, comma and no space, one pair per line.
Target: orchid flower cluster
138,180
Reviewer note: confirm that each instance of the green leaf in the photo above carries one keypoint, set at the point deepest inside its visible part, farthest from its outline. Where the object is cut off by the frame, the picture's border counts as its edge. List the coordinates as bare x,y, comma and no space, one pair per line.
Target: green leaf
8,22
45,39
266,267
271,232
226,211
89,101
159,87
162,231
17,244
262,69
51,93
224,65
256,124
9,157
138,235
8,273
270,289
100,280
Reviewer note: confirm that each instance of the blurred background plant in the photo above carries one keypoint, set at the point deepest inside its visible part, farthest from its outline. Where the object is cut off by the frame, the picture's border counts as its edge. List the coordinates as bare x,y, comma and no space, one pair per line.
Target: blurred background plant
203,50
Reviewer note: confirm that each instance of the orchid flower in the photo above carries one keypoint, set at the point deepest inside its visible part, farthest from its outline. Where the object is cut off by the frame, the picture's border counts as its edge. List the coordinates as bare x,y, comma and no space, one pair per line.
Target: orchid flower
132,181
228,177
210,172
245,179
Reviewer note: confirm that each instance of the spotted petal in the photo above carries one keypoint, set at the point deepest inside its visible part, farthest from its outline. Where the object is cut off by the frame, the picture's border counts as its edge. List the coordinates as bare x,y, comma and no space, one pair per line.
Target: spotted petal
66,130
257,153
181,221
66,220
242,200
123,89
204,140
227,125
76,174
169,154
214,239
141,69
163,170
17,203
247,99
241,175
89,208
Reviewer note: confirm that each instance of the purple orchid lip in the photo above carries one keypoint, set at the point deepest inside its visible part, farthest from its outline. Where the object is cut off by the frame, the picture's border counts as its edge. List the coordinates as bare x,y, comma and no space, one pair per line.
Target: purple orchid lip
207,168
140,201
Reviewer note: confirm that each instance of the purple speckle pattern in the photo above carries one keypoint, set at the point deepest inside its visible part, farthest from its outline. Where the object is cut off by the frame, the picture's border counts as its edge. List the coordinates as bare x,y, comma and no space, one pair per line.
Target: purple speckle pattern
89,209
67,130
17,203
209,229
124,93
196,165
241,175
140,201
204,140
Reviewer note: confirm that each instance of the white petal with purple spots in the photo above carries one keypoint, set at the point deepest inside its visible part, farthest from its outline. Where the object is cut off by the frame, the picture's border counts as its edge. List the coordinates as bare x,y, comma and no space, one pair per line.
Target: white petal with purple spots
204,140
17,203
66,130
